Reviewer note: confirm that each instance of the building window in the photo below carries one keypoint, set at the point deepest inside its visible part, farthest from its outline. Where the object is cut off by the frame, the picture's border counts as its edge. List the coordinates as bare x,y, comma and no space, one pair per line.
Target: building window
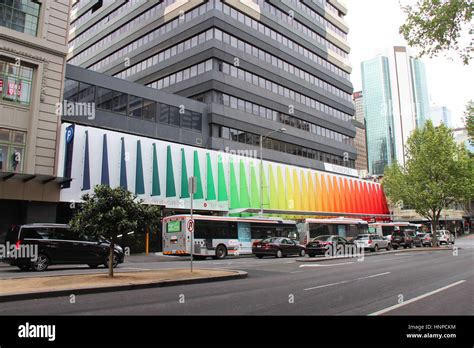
15,81
20,15
12,150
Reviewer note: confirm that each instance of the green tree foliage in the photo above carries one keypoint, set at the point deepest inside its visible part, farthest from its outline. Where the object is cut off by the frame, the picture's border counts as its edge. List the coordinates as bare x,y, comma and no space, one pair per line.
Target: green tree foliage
438,173
470,120
436,25
110,212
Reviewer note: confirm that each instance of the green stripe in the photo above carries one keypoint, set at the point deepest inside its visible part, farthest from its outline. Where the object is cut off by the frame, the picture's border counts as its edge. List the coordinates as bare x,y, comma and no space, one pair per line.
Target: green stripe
170,185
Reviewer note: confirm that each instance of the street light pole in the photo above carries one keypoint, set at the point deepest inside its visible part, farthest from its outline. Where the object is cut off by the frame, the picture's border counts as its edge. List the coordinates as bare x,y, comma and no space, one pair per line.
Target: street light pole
262,138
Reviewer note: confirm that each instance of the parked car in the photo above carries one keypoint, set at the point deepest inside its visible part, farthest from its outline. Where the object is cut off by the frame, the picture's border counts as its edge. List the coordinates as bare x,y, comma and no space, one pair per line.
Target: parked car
415,237
278,247
58,244
426,239
373,242
321,244
444,237
402,239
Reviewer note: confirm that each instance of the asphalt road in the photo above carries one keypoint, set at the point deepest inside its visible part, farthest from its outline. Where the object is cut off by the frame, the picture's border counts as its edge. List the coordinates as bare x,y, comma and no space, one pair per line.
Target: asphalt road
421,283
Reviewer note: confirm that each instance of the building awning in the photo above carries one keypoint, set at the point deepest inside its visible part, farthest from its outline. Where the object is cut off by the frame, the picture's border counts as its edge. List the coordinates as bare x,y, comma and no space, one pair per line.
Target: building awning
307,213
43,179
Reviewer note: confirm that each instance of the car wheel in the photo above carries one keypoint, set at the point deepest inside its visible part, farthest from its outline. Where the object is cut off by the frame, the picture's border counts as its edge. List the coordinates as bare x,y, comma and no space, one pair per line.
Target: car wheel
279,253
24,268
221,252
115,261
376,248
93,265
302,252
311,254
259,256
41,263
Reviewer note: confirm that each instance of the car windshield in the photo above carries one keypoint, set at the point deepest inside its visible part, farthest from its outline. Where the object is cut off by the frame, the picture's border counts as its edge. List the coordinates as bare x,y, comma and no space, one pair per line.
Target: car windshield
321,238
270,240
362,237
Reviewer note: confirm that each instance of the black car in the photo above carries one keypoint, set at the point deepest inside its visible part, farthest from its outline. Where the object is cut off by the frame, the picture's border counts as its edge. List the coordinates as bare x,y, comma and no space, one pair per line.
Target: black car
402,239
320,245
39,245
277,246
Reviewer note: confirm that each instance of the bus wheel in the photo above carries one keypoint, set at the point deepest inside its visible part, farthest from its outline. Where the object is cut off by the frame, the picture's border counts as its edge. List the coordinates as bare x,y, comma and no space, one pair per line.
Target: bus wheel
221,252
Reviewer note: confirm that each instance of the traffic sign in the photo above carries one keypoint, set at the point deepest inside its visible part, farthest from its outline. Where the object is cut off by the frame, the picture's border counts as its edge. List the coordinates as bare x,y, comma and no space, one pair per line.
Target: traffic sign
190,226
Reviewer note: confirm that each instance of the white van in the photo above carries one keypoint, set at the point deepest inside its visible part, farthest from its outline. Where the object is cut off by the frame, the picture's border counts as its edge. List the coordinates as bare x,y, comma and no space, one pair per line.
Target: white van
444,237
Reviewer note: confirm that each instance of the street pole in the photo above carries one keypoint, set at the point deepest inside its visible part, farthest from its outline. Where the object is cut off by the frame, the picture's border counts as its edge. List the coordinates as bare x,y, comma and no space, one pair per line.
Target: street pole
192,186
261,175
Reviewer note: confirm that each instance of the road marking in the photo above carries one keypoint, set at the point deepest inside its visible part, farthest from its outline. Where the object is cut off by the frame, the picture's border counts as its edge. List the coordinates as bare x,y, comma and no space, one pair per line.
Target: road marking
332,264
347,281
373,276
393,258
391,308
296,272
289,262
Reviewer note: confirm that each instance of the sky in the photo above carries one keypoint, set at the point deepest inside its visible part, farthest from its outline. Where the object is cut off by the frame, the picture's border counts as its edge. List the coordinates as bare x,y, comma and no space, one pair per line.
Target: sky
373,25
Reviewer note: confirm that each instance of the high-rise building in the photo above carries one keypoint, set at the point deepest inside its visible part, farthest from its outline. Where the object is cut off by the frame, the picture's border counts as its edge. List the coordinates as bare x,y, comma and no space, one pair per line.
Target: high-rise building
440,114
395,103
33,49
360,142
257,65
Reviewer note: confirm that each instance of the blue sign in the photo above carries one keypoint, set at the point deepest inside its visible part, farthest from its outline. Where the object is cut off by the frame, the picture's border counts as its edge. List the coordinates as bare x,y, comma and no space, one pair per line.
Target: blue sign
69,134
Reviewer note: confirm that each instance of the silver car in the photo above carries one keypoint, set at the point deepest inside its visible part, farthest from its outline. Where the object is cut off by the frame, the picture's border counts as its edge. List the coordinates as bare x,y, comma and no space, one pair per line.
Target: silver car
373,242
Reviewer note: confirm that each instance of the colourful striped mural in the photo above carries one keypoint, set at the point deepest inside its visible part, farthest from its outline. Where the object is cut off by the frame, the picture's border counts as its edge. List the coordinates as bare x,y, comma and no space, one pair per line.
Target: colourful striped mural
158,172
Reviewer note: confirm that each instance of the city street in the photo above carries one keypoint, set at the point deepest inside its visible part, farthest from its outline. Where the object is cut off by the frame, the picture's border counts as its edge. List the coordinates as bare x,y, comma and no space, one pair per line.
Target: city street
421,283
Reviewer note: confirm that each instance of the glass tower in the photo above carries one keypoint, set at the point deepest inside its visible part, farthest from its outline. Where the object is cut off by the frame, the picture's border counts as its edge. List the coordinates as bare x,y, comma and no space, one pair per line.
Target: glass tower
378,114
420,91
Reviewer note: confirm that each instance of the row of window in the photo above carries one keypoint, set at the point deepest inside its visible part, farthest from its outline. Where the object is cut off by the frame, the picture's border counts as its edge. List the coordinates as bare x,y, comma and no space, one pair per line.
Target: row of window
217,34
167,54
89,14
20,15
133,106
313,14
279,63
15,82
281,90
87,34
282,146
12,150
261,111
198,11
182,75
123,30
267,31
154,35
289,20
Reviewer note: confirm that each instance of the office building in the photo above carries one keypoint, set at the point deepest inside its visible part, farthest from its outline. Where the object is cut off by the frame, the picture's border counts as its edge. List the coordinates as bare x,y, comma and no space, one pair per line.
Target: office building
440,114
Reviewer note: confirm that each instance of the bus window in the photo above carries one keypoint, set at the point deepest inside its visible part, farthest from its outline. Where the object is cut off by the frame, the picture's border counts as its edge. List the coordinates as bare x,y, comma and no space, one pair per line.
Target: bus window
215,230
173,226
318,230
387,230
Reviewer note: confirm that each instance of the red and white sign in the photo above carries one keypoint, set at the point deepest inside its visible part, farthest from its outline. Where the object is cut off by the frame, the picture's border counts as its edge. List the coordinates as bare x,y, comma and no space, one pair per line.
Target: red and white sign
190,226
14,89
1,86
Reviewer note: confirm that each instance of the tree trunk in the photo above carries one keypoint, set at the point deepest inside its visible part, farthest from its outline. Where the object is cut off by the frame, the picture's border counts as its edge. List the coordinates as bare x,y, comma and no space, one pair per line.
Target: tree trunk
111,259
434,224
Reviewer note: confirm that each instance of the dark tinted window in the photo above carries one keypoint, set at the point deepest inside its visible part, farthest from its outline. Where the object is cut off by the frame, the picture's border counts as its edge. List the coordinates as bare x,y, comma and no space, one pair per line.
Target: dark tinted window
135,106
186,119
323,238
32,233
149,110
215,229
164,113
174,116
196,121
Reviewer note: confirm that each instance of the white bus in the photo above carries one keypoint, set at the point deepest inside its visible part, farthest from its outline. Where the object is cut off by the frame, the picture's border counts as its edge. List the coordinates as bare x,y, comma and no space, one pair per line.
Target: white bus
385,229
343,227
219,236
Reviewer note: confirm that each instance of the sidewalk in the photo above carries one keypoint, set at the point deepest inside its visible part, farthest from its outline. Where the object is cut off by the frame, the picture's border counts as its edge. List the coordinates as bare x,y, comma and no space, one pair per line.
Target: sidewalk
53,286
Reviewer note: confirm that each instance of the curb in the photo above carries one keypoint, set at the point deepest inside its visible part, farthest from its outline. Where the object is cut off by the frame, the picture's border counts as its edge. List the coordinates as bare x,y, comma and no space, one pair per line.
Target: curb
322,259
124,287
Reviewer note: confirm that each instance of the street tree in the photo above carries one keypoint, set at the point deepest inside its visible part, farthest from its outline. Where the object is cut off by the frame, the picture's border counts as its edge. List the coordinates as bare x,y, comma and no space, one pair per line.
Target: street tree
435,26
437,173
109,213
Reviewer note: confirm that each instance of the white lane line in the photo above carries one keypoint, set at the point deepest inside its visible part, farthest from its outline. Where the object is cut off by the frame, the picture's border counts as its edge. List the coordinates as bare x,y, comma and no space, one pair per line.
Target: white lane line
326,285
373,276
347,281
332,264
289,262
296,272
392,258
391,308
